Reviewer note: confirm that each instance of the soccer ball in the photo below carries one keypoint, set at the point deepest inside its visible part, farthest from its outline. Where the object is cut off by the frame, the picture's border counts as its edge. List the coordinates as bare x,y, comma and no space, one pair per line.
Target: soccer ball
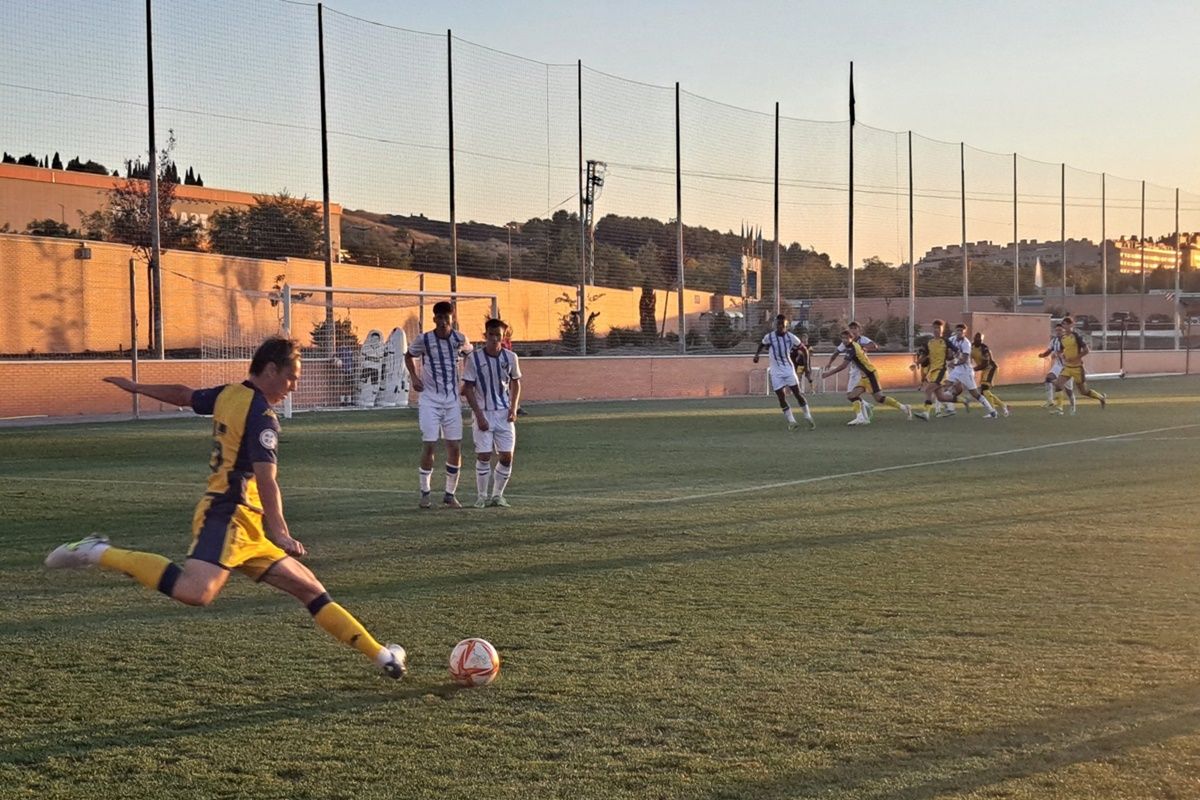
474,662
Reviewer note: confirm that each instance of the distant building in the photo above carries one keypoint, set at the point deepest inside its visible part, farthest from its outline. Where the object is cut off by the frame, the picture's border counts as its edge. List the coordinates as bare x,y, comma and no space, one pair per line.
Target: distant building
1123,254
1129,255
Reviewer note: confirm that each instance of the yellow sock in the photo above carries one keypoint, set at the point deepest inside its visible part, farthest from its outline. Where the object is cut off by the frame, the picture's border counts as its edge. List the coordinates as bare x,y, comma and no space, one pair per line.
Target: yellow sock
1092,393
341,625
1058,399
857,407
148,569
893,402
991,396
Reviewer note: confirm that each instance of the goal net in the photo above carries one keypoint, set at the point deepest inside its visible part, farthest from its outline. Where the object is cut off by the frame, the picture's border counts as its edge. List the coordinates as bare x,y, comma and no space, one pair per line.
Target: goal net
353,339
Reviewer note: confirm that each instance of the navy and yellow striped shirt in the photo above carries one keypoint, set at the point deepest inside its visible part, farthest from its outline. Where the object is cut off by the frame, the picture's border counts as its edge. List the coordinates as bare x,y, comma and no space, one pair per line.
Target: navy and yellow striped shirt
245,433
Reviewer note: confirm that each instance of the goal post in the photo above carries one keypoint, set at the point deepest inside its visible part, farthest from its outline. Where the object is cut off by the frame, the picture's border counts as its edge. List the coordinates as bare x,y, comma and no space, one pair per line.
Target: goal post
360,363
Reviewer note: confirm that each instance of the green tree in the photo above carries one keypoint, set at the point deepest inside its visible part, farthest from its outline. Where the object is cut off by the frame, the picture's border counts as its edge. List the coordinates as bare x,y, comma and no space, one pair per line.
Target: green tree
56,162
52,228
276,226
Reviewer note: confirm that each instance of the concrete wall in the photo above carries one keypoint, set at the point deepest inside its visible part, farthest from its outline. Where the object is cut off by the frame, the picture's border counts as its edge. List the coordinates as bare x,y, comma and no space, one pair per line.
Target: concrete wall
52,302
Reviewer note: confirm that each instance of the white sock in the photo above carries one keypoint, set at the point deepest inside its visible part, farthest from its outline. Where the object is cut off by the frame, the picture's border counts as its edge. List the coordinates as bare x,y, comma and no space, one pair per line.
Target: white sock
425,475
791,418
986,405
93,555
503,472
1049,392
807,413
452,478
483,471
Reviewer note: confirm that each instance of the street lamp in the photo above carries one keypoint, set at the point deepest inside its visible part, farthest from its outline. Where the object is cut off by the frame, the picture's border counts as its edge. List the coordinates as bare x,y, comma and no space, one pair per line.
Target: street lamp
510,227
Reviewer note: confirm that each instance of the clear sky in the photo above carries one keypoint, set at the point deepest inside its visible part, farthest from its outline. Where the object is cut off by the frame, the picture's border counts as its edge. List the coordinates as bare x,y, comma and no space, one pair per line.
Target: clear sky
1103,85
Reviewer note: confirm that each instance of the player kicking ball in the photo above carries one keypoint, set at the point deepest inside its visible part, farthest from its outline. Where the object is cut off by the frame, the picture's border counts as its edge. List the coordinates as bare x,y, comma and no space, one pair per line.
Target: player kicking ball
780,343
492,381
962,370
238,524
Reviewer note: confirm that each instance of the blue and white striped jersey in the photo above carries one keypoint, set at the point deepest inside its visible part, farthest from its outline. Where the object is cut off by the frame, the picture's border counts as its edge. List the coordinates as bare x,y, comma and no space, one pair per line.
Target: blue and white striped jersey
780,345
439,364
491,376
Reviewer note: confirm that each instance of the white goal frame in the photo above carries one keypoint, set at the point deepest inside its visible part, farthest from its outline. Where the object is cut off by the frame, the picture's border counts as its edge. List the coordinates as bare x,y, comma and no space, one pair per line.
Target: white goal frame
287,290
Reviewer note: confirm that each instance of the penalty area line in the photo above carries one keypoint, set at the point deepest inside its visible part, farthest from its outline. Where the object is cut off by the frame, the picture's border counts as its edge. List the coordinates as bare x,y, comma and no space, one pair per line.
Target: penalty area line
917,465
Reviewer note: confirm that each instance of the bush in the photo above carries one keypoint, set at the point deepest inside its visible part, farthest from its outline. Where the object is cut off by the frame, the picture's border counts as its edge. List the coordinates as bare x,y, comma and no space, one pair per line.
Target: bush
627,337
721,332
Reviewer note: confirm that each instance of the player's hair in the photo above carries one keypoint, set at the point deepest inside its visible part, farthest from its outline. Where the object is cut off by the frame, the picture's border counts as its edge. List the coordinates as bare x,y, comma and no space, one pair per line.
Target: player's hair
276,350
847,332
960,325
854,324
443,307
1068,321
939,322
495,324
781,318
979,337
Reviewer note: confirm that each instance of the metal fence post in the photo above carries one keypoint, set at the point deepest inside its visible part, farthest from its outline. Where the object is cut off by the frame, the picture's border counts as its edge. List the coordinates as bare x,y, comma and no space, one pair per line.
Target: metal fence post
133,337
679,228
327,249
582,231
912,264
450,134
155,222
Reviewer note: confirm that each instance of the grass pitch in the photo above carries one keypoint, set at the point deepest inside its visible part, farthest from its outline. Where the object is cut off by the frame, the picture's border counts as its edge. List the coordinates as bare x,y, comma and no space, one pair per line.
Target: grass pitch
690,603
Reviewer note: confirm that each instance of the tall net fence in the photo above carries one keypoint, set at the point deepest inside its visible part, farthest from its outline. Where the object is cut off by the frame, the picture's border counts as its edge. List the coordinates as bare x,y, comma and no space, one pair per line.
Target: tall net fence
452,165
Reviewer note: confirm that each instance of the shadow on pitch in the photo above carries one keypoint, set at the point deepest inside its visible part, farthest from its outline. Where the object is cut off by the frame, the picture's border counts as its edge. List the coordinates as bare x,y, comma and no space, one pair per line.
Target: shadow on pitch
1036,747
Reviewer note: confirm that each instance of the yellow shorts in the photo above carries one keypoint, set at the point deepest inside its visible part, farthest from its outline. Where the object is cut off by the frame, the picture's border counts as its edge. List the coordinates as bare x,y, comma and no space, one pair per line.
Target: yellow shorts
936,376
231,535
870,382
1075,373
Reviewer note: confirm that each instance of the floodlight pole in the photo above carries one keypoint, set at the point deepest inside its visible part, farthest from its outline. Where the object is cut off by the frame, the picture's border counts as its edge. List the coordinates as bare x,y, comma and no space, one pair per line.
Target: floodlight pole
582,225
327,248
1142,257
962,173
912,264
1063,234
1178,317
850,207
778,265
679,228
450,133
1016,244
1104,256
155,223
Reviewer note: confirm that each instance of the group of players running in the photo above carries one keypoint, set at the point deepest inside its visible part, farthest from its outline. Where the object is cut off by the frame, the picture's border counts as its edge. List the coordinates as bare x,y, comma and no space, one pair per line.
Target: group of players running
947,365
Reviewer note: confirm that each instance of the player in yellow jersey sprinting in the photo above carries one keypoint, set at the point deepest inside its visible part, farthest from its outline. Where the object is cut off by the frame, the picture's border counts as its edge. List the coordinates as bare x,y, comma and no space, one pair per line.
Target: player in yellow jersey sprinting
1074,348
985,365
854,355
239,523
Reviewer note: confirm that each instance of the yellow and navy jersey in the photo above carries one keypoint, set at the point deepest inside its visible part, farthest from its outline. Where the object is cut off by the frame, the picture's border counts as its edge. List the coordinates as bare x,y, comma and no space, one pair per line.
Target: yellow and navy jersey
800,356
1072,348
245,432
937,352
981,356
855,354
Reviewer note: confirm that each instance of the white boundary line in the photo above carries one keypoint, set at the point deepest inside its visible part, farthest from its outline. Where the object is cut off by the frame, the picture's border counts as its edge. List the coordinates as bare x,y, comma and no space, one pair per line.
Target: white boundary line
681,499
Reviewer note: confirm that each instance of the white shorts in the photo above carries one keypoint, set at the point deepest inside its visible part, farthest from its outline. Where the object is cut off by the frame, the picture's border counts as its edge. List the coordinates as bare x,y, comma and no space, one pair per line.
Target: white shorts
853,376
500,436
964,375
782,377
1055,368
440,421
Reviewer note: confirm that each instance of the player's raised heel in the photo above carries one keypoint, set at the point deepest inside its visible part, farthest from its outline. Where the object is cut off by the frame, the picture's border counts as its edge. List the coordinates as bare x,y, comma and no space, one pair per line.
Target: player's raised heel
397,666
76,555
991,415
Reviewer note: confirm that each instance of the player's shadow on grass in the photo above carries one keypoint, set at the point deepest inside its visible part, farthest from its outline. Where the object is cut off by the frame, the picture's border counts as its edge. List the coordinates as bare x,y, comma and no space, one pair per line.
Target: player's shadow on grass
953,764
34,748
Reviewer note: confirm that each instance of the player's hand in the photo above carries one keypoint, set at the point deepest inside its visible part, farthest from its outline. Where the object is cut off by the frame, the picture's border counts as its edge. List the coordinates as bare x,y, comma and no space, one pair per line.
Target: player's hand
287,544
418,384
481,421
121,383
512,414
756,359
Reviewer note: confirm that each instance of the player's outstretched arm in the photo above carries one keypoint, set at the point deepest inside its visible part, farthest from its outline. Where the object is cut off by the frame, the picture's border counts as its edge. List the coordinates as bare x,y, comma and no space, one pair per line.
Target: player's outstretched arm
272,504
175,394
837,369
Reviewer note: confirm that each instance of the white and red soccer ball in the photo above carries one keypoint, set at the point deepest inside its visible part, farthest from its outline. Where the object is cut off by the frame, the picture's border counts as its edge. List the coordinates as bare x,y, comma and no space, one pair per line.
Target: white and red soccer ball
474,662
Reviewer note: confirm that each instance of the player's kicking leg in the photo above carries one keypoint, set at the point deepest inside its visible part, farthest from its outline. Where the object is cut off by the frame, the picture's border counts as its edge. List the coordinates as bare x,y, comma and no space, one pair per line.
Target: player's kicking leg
781,396
804,409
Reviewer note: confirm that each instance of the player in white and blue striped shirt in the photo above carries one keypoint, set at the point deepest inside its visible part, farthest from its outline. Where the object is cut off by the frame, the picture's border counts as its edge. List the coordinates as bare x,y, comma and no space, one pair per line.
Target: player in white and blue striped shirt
492,381
439,409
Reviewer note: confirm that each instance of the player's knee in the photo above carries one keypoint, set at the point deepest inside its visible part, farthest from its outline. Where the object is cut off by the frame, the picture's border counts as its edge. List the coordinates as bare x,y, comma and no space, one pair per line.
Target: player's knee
506,459
194,595
483,457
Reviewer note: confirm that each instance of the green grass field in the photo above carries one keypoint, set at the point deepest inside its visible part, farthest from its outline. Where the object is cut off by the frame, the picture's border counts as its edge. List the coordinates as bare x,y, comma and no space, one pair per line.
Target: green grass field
691,603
